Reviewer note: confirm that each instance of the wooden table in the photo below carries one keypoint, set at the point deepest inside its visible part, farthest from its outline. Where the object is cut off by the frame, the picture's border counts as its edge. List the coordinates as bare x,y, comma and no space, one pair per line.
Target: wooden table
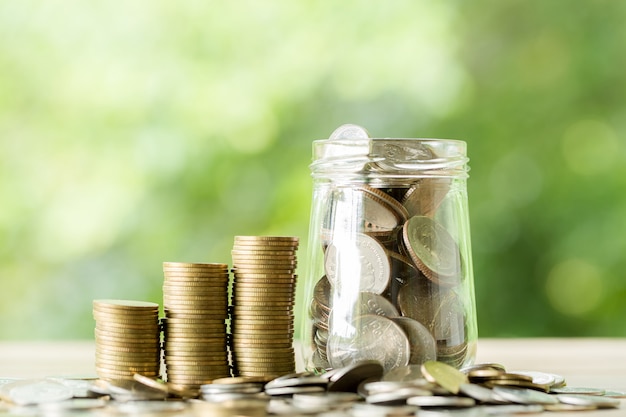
583,362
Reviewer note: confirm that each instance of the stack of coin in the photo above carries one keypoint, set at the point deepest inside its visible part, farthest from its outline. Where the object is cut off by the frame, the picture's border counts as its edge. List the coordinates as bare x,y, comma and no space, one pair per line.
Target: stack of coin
195,300
262,305
128,339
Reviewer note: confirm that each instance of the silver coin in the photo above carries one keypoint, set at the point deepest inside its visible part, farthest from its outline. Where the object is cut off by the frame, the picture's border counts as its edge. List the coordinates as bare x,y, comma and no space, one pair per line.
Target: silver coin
378,217
294,390
524,395
149,407
480,393
423,345
439,401
578,390
372,303
363,254
35,391
329,399
511,409
404,373
379,386
371,410
76,404
349,378
598,401
349,131
297,380
397,397
539,378
375,338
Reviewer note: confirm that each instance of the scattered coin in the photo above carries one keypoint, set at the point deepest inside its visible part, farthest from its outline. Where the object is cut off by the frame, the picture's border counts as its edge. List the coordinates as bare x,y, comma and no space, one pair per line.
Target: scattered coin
524,395
578,390
34,391
598,401
439,401
444,375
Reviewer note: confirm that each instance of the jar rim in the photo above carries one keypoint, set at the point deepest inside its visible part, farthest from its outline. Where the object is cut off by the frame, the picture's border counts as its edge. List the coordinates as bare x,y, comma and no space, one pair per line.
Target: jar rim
381,157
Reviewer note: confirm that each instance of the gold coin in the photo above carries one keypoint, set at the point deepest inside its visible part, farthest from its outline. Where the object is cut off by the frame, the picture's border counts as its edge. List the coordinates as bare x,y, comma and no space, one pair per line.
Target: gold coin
248,238
151,331
263,275
261,287
516,383
265,353
264,361
175,363
263,257
194,265
244,326
105,341
131,327
112,374
127,364
245,309
130,366
192,321
240,380
444,375
127,349
433,250
425,196
129,354
272,302
264,281
260,320
244,369
126,338
215,299
195,313
196,355
204,341
196,279
116,315
151,325
192,328
216,356
125,304
253,252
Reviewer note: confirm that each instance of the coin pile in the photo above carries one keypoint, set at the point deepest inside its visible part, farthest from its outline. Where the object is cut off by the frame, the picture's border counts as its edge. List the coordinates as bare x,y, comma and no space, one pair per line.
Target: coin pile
195,300
410,261
263,296
127,338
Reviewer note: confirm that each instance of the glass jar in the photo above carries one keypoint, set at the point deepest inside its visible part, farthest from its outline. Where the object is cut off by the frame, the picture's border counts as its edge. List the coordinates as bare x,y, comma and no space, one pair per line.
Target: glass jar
390,270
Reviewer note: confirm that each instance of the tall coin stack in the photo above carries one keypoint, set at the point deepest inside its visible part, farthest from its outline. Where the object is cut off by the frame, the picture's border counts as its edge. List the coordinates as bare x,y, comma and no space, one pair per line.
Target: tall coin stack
195,300
128,339
263,296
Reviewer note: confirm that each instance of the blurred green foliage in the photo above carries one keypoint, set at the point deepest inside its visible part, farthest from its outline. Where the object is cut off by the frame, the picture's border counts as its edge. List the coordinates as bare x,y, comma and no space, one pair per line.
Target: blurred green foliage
138,132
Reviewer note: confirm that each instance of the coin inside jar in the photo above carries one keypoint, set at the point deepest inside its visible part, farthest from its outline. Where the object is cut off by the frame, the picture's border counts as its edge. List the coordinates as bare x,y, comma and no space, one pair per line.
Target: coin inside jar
363,258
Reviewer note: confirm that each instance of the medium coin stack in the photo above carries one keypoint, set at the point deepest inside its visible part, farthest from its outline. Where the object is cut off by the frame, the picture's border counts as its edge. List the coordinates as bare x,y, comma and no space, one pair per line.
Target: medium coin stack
127,339
263,296
195,300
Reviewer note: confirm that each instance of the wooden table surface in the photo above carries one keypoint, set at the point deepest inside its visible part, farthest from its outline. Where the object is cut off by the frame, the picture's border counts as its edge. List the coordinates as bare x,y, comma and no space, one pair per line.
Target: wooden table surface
583,362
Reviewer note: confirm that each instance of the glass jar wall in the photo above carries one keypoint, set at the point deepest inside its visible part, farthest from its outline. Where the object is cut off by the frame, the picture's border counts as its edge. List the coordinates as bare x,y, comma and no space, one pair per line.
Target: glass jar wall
390,268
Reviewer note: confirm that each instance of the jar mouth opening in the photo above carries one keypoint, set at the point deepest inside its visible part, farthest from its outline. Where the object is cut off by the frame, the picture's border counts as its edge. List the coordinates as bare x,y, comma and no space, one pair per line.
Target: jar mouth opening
390,157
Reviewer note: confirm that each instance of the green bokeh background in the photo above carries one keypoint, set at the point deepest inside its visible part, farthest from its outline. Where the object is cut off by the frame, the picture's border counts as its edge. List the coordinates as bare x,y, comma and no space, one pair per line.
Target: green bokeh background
133,133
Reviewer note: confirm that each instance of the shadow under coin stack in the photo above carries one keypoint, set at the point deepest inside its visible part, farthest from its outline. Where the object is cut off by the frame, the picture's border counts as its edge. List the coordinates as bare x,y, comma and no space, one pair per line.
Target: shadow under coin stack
195,300
262,321
128,339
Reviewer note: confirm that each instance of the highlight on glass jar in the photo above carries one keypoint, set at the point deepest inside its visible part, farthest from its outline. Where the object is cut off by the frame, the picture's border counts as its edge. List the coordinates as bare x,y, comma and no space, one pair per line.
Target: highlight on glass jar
390,269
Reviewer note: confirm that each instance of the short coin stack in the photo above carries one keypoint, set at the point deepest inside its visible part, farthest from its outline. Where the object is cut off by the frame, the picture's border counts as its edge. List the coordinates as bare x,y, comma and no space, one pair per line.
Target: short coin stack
127,339
195,300
263,296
